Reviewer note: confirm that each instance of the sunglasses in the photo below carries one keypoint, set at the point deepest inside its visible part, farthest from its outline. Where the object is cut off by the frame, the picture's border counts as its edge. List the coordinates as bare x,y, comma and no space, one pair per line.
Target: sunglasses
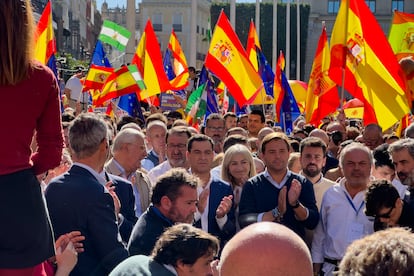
385,215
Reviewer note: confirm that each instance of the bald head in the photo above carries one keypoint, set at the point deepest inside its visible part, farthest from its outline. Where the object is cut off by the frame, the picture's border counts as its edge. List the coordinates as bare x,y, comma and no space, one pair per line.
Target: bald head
265,248
320,134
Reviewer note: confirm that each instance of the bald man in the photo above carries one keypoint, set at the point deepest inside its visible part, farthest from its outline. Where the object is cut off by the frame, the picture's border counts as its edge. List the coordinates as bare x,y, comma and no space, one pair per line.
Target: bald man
281,251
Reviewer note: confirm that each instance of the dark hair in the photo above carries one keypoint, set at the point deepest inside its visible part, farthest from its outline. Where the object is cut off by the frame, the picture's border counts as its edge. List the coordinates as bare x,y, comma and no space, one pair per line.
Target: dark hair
126,120
313,142
233,140
381,193
174,114
185,243
382,157
170,183
275,136
178,130
260,113
199,138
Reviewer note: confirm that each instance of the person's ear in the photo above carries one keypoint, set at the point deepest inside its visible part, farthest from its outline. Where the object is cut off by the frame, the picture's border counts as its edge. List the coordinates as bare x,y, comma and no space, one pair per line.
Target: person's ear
166,202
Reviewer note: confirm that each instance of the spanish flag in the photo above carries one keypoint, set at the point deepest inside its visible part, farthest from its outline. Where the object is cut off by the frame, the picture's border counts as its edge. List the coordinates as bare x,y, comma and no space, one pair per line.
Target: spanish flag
372,73
228,60
149,62
120,82
322,96
96,77
401,36
180,67
45,44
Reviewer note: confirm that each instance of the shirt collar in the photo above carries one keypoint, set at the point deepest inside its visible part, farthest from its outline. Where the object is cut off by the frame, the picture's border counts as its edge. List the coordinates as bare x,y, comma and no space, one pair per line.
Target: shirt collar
271,180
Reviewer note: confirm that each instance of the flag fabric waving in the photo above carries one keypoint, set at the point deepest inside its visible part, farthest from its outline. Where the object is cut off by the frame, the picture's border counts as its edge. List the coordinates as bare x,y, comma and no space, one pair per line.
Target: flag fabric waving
179,63
96,77
114,35
401,36
228,60
120,82
277,85
253,43
289,109
99,56
45,44
372,73
149,62
322,96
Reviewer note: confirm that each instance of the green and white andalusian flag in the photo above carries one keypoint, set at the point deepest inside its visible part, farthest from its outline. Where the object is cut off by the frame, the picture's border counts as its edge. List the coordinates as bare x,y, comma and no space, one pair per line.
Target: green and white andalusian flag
114,35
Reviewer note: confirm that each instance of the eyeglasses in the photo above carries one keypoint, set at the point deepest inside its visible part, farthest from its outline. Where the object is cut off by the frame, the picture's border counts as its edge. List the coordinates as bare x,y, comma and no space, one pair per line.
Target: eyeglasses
386,215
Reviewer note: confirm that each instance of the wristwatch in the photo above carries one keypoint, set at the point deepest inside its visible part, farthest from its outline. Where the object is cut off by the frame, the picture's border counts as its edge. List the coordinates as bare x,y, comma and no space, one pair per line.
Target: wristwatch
296,205
276,214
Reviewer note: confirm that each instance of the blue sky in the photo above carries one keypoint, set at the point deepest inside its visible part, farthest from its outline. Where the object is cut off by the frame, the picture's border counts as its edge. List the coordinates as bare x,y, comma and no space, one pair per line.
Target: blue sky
121,3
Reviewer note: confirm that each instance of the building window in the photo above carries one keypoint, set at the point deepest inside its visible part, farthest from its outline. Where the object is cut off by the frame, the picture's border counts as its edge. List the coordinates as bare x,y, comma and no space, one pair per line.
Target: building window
371,4
397,5
198,29
178,22
157,22
333,6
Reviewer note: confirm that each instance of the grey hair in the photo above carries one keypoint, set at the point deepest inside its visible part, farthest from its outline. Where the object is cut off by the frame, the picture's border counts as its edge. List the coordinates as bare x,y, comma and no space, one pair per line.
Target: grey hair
86,133
406,143
126,136
353,146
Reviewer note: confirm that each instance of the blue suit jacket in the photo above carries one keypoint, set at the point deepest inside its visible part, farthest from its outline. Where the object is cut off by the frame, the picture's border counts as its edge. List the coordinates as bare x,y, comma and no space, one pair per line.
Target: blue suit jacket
123,190
77,201
218,190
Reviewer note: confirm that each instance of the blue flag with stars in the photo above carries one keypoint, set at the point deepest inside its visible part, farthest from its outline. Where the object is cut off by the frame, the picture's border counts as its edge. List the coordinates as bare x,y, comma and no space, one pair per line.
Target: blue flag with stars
130,104
265,72
290,109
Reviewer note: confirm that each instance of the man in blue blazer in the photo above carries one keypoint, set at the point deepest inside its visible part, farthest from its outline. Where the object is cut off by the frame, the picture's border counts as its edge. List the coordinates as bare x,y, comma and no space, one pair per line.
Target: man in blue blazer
215,207
82,200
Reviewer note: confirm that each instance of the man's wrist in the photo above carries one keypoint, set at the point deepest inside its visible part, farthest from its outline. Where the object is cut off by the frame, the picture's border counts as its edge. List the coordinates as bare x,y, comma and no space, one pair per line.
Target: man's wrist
295,205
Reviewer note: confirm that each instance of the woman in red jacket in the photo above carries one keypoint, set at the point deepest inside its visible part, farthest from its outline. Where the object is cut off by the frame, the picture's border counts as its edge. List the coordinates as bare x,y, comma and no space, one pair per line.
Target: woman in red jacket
30,109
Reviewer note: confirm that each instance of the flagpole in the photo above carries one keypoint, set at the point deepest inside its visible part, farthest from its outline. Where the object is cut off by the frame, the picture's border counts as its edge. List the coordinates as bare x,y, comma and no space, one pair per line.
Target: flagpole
258,18
233,13
274,34
298,39
344,55
287,68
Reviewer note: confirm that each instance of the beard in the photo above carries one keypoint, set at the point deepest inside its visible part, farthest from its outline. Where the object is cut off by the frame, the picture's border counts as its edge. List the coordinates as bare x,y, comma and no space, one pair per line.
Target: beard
311,172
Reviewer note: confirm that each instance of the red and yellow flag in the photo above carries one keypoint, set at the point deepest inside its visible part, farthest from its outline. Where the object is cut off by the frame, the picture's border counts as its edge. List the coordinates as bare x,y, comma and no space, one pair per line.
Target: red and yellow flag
401,36
228,60
149,62
45,44
372,73
120,82
252,43
322,97
96,77
180,66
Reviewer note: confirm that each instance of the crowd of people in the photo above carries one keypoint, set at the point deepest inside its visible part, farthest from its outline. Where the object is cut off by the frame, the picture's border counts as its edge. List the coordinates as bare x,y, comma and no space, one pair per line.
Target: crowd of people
85,194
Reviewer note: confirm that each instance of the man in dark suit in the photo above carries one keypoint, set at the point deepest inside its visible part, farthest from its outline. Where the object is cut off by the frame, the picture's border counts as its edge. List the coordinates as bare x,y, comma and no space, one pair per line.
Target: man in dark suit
181,250
174,199
215,208
82,199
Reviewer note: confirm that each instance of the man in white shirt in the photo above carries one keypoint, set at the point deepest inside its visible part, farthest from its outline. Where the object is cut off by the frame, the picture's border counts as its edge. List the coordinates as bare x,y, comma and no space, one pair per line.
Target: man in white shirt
342,217
73,91
176,148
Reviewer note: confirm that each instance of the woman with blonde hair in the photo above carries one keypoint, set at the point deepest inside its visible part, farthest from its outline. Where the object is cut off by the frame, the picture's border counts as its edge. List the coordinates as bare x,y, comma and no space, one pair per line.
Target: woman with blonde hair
237,167
30,110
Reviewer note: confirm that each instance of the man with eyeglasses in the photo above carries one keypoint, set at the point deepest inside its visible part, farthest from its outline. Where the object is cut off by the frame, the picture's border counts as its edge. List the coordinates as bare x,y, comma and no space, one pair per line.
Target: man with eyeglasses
176,148
383,202
342,219
215,129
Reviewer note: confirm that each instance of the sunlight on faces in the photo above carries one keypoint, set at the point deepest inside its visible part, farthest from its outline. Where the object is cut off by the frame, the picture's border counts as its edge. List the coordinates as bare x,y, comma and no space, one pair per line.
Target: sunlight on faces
176,149
201,156
182,209
135,151
215,130
404,166
239,167
156,137
383,172
276,155
356,167
254,123
312,160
